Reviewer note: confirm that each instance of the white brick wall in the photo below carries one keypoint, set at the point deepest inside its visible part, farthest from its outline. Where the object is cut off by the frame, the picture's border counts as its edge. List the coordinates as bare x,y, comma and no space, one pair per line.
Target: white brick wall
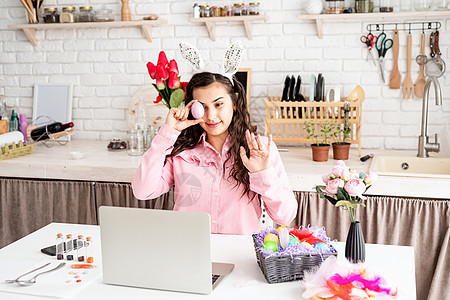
108,66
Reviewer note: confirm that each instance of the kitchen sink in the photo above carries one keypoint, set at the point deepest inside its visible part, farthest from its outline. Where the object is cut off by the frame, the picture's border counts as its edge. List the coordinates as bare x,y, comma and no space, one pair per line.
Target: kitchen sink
434,167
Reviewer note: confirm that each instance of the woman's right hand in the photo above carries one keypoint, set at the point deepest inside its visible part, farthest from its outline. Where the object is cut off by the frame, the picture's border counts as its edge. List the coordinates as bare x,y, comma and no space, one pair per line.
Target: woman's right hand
177,118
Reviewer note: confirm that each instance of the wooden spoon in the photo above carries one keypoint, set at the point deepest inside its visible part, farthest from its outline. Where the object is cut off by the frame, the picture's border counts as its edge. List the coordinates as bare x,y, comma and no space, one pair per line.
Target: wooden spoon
408,85
420,83
395,79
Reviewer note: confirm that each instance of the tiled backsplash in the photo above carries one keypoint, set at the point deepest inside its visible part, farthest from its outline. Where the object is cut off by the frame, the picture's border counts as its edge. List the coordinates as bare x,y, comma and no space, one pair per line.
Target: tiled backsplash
107,66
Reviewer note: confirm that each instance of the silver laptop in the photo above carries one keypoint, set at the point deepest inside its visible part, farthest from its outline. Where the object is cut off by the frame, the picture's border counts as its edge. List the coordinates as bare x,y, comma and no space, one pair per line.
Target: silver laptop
159,249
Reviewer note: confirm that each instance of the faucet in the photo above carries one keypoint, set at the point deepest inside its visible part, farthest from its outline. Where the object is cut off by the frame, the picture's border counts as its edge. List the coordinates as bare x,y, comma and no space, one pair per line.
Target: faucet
424,145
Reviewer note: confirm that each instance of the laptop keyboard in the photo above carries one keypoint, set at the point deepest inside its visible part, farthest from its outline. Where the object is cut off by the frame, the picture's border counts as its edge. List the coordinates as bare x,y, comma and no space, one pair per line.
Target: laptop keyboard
214,278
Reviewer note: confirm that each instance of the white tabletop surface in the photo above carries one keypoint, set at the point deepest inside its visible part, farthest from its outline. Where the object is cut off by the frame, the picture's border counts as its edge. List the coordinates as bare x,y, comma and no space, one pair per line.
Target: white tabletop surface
395,263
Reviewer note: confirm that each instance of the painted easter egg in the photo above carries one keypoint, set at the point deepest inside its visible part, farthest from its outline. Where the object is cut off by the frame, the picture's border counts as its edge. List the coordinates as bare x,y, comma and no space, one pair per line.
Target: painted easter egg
283,235
306,244
197,110
293,240
271,246
321,246
271,237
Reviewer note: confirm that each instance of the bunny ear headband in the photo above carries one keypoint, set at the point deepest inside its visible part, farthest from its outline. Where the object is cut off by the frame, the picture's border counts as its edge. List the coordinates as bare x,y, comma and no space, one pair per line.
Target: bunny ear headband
229,66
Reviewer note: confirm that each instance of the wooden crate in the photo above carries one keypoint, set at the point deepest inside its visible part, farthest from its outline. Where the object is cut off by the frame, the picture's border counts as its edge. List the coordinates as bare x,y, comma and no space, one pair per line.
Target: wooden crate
285,120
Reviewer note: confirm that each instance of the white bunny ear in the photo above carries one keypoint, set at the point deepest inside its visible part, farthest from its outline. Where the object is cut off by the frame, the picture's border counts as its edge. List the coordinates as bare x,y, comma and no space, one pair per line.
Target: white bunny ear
191,55
232,58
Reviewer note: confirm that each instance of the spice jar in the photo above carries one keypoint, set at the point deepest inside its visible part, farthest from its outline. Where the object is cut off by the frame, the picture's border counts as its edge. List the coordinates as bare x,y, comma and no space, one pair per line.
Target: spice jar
237,9
223,12
386,6
51,15
229,10
364,6
104,15
86,14
216,11
254,8
68,15
334,6
244,9
204,11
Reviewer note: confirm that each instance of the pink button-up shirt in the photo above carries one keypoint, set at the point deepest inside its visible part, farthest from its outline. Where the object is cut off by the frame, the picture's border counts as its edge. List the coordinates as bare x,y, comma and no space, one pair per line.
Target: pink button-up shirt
202,184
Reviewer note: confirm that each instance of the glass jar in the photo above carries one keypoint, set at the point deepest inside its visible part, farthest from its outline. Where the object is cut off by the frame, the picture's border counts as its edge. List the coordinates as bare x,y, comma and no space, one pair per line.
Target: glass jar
223,12
237,11
253,8
244,9
229,10
334,6
135,142
104,15
364,6
86,14
422,5
386,6
51,15
216,11
68,15
205,11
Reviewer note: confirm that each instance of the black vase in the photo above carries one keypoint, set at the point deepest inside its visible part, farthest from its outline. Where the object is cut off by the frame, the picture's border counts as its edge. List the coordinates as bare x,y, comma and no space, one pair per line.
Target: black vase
355,247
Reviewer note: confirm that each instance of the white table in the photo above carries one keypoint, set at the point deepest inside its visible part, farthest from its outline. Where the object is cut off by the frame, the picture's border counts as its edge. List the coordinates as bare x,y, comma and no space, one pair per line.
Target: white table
395,263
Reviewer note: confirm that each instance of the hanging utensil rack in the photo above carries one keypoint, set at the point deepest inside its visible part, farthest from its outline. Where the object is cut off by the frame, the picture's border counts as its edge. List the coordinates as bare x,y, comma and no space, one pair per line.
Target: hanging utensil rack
405,26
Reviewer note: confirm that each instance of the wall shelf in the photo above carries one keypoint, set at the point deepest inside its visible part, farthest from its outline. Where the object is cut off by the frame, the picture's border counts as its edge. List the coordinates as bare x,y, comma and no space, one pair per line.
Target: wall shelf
30,29
370,16
246,20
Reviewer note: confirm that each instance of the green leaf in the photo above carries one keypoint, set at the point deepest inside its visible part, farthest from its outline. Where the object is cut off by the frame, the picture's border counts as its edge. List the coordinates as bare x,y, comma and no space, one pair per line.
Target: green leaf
346,204
342,194
176,98
331,199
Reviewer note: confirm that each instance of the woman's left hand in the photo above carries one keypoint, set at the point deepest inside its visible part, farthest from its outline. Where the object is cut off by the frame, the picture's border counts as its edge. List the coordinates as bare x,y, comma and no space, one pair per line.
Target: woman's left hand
259,154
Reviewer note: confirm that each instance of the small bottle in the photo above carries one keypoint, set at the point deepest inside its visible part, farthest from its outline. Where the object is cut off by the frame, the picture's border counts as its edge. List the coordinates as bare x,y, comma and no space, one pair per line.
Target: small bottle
196,11
59,246
228,10
135,142
14,126
69,247
23,126
89,245
80,248
86,14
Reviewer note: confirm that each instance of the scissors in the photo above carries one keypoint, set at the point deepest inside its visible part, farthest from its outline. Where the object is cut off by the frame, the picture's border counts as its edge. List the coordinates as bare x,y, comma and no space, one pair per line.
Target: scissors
369,40
383,45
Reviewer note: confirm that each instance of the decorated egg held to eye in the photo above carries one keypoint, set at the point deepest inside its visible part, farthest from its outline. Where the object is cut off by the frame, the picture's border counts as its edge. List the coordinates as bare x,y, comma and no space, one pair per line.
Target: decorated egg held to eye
271,246
271,237
197,110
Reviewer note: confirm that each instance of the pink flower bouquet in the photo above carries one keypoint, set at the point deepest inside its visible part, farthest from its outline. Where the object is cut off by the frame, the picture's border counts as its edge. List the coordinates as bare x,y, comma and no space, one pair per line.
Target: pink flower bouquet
170,89
345,188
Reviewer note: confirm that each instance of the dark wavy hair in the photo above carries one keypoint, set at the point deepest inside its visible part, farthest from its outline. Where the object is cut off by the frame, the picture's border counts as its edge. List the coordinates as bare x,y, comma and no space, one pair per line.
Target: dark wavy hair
189,137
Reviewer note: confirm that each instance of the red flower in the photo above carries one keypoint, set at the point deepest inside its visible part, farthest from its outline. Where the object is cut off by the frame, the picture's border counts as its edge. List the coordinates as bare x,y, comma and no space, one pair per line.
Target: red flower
158,99
159,84
173,67
162,59
161,72
174,81
151,70
183,85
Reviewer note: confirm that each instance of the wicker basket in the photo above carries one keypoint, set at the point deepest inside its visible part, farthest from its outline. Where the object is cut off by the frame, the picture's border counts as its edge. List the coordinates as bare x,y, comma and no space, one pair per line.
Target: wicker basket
278,269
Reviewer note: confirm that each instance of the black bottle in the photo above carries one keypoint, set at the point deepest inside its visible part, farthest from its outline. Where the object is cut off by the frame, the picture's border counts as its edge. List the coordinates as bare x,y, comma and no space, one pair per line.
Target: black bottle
41,133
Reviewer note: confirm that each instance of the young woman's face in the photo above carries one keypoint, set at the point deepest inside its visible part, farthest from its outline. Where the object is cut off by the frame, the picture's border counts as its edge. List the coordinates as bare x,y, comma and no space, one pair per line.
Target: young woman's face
218,109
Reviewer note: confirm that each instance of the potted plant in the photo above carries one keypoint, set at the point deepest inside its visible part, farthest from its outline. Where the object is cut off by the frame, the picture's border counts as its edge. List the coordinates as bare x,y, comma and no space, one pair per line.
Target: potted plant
340,135
321,140
344,188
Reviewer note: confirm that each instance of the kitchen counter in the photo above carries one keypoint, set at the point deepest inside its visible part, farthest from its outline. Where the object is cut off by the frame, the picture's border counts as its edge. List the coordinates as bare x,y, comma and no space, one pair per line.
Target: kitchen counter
99,164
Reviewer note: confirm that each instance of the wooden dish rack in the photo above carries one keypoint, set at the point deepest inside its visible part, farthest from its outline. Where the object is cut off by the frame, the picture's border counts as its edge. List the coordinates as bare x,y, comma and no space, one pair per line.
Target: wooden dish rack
285,120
